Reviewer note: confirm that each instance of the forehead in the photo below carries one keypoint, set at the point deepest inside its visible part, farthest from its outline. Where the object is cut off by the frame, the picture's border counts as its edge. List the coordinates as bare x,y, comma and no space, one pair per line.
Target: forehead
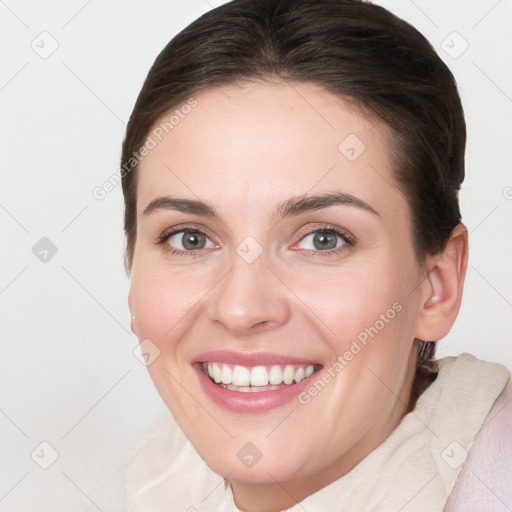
258,143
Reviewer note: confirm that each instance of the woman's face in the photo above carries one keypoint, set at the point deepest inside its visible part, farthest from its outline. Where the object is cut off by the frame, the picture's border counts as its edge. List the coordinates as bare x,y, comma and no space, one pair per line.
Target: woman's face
299,260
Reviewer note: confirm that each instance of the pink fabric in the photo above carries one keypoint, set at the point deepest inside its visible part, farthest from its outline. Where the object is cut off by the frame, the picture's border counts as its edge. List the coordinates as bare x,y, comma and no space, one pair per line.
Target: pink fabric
485,482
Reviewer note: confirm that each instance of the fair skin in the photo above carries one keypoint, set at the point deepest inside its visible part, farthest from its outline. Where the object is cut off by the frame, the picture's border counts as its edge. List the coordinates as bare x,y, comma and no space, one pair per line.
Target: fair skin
245,150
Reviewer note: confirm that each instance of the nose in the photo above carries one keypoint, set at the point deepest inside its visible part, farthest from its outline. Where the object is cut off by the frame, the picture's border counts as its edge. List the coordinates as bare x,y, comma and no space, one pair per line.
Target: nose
249,298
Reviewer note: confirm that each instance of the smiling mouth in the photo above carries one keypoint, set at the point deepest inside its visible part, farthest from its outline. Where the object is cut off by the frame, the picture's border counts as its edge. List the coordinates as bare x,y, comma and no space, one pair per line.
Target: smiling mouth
257,378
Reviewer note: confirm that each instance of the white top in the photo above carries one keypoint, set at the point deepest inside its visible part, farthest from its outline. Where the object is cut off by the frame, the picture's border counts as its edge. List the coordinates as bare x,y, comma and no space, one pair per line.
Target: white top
414,470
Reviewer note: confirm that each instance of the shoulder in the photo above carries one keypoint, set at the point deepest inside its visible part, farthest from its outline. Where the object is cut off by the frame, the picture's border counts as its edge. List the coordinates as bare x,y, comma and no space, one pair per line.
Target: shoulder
112,496
158,451
163,472
162,440
484,482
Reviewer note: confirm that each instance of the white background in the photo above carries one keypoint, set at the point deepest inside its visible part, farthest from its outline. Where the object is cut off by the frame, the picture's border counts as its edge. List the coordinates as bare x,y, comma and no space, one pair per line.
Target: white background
68,372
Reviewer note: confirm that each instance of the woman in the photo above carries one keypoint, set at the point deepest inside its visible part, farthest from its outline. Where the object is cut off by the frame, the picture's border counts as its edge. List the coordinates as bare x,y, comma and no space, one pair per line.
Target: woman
290,173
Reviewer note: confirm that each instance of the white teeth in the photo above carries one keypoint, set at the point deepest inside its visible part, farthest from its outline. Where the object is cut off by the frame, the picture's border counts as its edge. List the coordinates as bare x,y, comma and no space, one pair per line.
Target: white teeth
288,374
275,375
217,374
240,378
259,376
227,375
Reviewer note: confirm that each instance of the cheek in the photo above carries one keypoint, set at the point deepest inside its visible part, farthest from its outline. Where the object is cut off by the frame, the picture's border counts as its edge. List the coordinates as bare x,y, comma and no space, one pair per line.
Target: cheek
373,316
361,303
163,301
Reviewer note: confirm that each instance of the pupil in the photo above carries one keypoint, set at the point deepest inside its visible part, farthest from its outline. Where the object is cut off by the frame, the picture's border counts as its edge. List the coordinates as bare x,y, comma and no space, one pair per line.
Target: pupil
191,240
325,241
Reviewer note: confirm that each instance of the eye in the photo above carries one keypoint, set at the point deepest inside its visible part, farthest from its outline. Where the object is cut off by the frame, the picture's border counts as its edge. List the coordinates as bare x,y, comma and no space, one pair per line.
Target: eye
189,241
185,241
326,239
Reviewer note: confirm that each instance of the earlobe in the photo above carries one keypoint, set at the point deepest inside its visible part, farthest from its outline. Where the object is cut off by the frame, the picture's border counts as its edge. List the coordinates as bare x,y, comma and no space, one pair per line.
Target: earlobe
442,288
132,325
130,307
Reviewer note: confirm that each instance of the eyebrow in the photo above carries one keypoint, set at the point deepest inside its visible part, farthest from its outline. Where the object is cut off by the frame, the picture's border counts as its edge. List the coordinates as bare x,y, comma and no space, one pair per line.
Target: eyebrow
293,206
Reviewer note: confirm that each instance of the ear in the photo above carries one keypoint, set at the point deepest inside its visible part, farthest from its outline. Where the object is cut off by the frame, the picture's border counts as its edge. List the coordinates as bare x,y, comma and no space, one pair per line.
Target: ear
442,288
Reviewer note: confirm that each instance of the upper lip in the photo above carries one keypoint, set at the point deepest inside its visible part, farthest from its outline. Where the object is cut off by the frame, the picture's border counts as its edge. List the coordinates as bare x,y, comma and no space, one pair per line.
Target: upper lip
251,358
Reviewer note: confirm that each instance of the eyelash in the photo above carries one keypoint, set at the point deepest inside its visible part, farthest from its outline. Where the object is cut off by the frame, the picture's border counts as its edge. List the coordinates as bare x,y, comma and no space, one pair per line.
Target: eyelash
349,240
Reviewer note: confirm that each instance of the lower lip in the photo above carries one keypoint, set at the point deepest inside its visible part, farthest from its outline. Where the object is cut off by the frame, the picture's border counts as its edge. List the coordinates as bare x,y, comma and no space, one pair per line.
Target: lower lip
251,402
